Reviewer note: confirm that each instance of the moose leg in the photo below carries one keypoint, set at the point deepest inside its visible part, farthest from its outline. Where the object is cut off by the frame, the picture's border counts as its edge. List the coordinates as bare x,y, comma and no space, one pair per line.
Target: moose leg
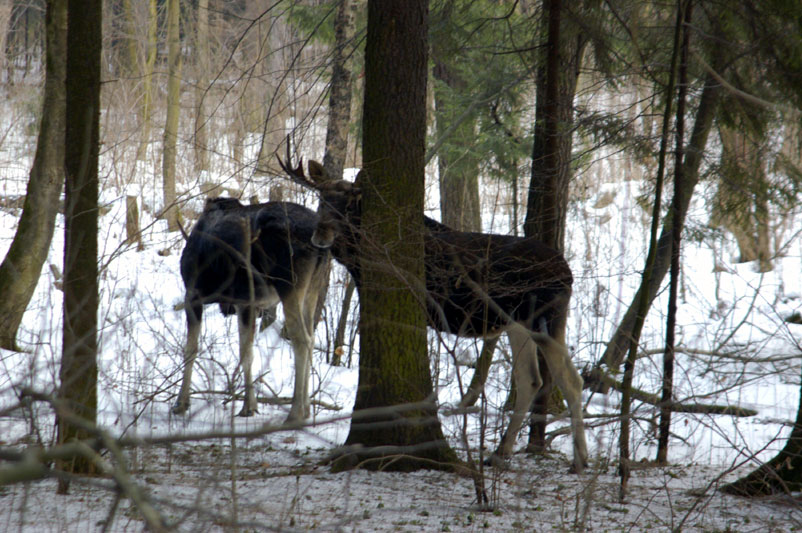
193,310
526,376
246,318
301,340
567,378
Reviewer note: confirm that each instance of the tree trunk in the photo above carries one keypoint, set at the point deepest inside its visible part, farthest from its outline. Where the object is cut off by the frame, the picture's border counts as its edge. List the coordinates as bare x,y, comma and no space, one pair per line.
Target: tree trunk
401,431
202,87
705,113
782,474
170,210
147,78
457,165
78,371
551,165
20,270
337,141
339,92
671,320
276,68
741,201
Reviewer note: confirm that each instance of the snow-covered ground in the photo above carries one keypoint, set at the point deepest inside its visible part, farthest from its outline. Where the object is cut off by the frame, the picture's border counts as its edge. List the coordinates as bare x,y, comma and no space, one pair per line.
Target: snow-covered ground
737,350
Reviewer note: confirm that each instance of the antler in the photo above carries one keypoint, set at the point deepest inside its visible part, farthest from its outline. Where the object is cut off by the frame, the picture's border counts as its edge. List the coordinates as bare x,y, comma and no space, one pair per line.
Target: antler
295,174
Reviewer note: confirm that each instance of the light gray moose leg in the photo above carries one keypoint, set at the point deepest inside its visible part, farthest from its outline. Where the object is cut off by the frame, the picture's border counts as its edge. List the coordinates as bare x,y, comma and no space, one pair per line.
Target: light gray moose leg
246,318
526,376
194,313
298,329
567,378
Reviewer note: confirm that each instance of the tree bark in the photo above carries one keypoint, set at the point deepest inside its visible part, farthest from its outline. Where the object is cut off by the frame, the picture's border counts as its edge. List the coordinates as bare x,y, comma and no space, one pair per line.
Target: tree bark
170,141
22,266
395,424
78,371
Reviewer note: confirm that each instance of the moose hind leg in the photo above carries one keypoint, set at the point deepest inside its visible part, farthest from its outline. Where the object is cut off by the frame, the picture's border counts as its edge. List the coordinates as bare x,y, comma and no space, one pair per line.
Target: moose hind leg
526,376
246,318
567,378
194,312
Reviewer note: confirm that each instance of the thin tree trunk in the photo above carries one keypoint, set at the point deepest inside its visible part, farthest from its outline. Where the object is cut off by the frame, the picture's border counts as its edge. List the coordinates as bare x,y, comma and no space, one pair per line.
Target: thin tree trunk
202,87
339,92
337,140
401,431
20,270
170,210
342,323
147,79
705,113
78,371
624,467
668,358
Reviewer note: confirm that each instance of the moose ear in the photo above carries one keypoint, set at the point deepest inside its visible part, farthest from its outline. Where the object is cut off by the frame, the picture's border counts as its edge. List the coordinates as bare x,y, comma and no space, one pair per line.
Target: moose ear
316,172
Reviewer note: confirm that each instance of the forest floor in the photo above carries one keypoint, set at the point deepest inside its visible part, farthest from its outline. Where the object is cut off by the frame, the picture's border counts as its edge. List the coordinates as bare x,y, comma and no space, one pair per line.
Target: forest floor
274,486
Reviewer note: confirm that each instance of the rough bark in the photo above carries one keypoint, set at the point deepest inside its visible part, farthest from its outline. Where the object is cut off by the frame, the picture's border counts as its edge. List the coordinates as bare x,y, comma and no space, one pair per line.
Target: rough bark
20,270
78,372
170,140
395,424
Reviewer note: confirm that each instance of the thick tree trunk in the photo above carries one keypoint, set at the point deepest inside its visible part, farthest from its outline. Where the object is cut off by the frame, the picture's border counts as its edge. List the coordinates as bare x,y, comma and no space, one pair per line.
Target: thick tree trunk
401,430
20,270
782,474
551,165
741,201
457,165
170,141
79,356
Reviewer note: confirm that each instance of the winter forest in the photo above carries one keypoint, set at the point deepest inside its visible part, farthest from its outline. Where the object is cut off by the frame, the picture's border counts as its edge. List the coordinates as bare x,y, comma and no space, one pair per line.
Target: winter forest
421,265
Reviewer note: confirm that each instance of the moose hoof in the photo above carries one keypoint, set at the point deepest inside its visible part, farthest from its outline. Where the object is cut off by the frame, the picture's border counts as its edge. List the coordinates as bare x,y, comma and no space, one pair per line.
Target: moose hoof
497,460
247,411
180,408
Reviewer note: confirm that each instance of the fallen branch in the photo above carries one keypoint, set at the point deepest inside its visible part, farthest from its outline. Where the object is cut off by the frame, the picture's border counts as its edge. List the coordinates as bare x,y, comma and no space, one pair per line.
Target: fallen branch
598,377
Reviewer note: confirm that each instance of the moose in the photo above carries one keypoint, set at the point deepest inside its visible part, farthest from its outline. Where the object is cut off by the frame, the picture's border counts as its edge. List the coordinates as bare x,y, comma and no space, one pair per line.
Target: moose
247,258
478,285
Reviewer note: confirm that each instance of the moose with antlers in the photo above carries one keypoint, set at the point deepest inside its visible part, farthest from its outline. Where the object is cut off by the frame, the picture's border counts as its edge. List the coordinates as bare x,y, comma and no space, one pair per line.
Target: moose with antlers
477,285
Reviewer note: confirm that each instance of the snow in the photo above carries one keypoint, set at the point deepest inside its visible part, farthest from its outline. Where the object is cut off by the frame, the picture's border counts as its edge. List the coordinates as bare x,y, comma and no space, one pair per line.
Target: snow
276,480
